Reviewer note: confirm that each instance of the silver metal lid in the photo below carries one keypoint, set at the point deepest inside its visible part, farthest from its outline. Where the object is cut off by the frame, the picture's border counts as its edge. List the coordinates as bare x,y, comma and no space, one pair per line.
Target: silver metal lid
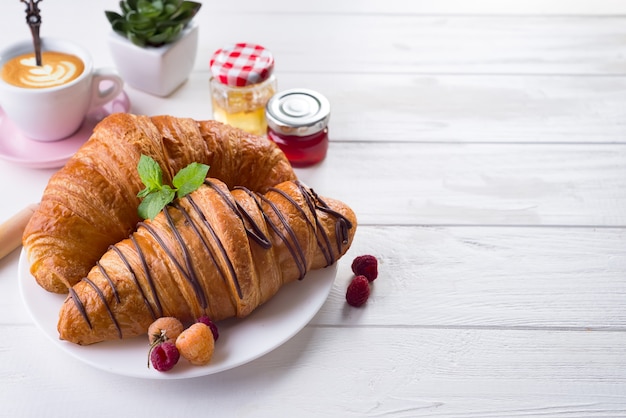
298,112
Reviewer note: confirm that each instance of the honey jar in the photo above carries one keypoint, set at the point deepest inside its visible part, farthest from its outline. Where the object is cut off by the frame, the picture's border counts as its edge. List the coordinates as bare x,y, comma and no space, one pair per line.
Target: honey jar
297,122
242,82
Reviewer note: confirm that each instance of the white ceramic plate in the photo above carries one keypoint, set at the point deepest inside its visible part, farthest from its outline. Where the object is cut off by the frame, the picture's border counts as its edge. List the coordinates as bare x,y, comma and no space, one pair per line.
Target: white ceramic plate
240,341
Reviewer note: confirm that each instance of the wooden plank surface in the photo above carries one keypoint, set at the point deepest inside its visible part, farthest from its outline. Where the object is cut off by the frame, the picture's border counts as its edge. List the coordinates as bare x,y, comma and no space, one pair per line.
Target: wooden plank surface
481,144
365,372
443,108
399,37
432,44
529,278
481,184
473,277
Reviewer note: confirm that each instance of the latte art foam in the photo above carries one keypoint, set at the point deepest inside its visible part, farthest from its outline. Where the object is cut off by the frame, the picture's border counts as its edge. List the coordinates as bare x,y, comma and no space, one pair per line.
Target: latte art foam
57,68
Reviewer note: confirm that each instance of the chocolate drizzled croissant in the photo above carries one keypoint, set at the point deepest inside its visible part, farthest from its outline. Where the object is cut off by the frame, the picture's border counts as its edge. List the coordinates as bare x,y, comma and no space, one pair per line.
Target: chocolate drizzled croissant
92,201
216,252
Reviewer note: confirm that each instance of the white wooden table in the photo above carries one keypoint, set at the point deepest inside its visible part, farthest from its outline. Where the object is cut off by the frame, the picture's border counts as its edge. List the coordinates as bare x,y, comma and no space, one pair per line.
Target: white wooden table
482,145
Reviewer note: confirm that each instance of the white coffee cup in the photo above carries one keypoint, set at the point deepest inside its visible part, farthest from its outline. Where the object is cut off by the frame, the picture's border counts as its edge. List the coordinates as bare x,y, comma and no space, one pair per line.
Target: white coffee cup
54,113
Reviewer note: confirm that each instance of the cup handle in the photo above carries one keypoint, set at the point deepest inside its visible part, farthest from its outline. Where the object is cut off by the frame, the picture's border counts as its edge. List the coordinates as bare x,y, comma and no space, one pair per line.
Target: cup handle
106,85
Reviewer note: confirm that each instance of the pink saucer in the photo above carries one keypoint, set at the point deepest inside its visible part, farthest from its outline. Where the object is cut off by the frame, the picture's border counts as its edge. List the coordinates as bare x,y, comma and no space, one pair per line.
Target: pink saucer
17,148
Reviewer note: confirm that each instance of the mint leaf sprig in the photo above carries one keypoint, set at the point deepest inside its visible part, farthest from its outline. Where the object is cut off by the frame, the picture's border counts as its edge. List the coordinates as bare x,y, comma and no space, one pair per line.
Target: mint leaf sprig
157,195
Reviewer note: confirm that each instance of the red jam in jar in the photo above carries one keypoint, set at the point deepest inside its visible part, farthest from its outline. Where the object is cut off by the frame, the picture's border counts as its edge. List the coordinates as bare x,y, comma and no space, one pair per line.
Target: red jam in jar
297,121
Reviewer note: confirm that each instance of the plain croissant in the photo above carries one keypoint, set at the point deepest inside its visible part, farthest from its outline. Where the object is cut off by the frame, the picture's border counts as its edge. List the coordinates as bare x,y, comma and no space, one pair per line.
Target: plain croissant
92,201
216,252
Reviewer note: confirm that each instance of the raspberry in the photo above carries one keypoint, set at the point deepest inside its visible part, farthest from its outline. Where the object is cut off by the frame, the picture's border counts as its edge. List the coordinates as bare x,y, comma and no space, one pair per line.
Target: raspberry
164,329
208,322
196,344
358,291
164,356
366,265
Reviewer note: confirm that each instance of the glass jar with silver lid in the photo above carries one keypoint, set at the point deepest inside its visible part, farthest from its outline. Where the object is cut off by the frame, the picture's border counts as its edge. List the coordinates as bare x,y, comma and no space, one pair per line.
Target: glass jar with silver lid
297,120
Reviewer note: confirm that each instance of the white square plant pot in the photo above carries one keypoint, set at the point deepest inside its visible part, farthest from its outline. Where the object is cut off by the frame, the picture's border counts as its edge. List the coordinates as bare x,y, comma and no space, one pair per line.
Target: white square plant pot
158,71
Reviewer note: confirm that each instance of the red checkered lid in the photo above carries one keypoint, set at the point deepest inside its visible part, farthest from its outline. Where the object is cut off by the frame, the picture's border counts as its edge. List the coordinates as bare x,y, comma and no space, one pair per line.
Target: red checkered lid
242,64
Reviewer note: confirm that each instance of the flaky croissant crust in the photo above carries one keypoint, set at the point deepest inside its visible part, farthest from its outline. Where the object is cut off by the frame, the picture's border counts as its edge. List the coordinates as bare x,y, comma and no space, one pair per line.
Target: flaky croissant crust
216,252
92,201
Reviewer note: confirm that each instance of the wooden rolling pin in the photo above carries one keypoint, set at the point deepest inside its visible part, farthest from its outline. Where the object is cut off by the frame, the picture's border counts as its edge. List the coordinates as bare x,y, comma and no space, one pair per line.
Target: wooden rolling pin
11,231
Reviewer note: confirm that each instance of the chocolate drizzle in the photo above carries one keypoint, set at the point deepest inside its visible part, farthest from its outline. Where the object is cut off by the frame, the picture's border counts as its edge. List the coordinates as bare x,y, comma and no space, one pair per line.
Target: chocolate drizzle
215,249
104,301
294,247
205,244
134,276
220,246
342,225
146,270
80,306
255,232
189,272
106,276
325,246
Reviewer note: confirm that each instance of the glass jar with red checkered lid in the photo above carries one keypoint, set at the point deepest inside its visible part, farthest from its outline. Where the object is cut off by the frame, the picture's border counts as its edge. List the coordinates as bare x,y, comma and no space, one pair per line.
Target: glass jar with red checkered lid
242,82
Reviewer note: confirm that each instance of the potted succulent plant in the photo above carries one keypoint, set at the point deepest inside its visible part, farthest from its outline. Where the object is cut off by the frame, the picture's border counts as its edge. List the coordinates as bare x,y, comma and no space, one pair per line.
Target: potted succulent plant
154,42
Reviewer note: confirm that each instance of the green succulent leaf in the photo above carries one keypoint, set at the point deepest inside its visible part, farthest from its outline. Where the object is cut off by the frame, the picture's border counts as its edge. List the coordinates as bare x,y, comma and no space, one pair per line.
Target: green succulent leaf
127,6
152,22
113,17
160,38
150,9
137,40
170,8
